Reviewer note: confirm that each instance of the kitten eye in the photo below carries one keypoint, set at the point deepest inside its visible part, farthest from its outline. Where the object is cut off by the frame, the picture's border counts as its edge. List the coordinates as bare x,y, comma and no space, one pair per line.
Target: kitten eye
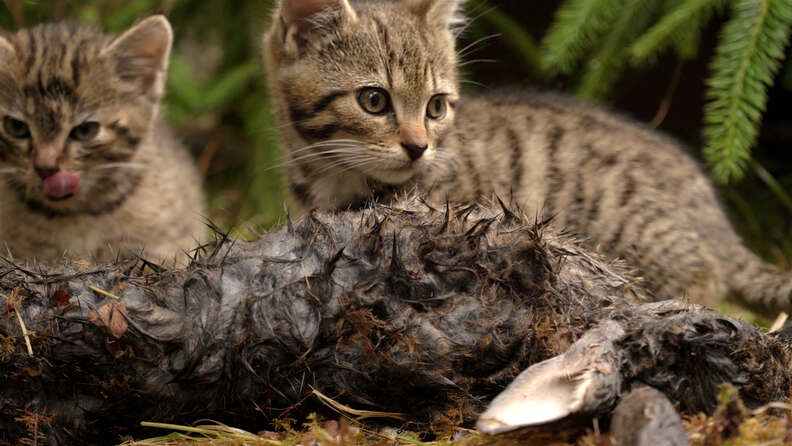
437,107
16,128
85,131
374,100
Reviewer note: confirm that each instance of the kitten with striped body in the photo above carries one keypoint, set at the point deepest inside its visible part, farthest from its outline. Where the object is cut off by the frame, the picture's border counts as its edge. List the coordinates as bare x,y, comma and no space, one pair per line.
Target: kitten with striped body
367,95
87,167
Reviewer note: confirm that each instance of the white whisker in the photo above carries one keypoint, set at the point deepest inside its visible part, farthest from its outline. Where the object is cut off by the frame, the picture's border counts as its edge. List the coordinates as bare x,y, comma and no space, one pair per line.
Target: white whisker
119,166
478,84
474,61
333,153
461,30
470,49
347,163
9,170
443,160
328,143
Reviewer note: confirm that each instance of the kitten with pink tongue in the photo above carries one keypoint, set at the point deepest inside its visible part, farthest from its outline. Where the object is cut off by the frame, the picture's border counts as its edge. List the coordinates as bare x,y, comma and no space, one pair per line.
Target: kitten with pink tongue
61,185
96,173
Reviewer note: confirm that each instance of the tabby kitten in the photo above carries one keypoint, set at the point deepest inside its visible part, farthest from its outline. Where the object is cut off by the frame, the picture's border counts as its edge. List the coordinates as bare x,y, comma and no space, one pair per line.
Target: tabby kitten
368,101
367,95
87,168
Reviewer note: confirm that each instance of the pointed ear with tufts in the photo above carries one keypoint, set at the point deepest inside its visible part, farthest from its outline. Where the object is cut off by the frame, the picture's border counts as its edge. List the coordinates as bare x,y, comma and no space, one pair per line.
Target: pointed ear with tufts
439,13
304,15
141,54
6,48
7,54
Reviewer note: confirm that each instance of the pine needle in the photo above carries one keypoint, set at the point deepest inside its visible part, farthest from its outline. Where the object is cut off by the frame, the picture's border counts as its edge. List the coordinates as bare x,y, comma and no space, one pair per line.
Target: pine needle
15,304
604,69
205,433
103,292
680,26
359,414
577,26
25,333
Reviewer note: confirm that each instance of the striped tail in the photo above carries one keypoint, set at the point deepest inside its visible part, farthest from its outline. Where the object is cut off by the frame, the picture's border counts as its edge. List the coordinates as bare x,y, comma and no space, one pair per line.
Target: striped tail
761,285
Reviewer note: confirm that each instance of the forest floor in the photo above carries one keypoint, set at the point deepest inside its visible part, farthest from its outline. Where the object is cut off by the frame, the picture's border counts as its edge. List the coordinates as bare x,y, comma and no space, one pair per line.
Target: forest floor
731,424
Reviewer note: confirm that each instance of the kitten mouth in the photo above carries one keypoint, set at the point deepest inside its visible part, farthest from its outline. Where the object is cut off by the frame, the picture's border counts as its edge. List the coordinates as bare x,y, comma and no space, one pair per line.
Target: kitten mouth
394,175
56,199
61,186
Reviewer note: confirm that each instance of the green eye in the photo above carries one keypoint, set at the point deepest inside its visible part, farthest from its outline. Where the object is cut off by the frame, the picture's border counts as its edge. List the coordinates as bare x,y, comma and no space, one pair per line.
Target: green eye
85,131
374,100
16,128
437,107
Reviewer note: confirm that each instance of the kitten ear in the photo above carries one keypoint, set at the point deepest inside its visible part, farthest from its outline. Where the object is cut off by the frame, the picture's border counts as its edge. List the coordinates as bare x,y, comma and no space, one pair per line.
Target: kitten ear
441,13
303,13
6,48
141,54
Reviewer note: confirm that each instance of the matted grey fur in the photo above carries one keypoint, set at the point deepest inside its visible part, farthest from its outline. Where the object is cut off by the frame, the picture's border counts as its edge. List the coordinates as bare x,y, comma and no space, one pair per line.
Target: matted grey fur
409,309
87,166
367,96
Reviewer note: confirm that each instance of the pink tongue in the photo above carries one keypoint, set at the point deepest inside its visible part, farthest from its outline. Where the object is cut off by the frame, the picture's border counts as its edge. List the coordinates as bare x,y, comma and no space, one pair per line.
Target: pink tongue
61,185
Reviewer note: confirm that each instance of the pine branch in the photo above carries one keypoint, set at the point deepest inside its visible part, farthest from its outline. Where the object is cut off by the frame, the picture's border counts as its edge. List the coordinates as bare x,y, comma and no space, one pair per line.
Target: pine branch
749,54
605,68
679,26
687,38
577,26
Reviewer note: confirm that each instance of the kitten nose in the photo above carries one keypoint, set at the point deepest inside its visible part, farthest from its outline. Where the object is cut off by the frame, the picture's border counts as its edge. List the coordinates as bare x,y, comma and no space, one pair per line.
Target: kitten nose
46,171
46,160
414,151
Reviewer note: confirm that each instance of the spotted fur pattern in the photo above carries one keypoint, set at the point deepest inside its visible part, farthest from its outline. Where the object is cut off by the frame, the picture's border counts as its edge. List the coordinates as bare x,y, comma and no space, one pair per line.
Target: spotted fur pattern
138,188
630,190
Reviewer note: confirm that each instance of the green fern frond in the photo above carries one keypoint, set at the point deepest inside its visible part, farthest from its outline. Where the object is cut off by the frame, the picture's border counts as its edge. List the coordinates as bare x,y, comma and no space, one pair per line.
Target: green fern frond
578,24
688,37
679,26
606,66
749,54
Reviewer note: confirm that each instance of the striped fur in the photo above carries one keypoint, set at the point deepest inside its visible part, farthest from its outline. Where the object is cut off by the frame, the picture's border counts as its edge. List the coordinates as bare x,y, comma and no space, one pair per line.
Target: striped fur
138,188
630,190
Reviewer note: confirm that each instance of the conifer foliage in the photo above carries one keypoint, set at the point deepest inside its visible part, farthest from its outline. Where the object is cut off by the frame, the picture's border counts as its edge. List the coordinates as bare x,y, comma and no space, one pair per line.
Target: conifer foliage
600,38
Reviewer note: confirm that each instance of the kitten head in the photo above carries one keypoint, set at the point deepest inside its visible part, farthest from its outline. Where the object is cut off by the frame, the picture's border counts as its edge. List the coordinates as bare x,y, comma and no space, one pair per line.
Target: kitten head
74,107
366,87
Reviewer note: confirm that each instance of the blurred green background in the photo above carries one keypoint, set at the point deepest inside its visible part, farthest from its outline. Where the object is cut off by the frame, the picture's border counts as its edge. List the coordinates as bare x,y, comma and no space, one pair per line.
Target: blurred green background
218,104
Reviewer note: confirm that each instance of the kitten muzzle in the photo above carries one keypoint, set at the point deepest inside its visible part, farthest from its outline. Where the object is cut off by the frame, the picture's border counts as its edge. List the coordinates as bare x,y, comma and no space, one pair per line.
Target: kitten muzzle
61,185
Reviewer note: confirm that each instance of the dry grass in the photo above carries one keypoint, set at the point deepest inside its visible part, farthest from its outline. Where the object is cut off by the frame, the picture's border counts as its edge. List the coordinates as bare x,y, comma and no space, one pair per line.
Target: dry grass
732,424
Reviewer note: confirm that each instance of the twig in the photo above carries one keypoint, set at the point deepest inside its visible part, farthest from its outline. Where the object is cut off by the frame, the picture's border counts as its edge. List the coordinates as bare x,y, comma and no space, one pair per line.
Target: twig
662,112
220,432
360,414
779,322
25,333
308,284
777,405
209,152
103,292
